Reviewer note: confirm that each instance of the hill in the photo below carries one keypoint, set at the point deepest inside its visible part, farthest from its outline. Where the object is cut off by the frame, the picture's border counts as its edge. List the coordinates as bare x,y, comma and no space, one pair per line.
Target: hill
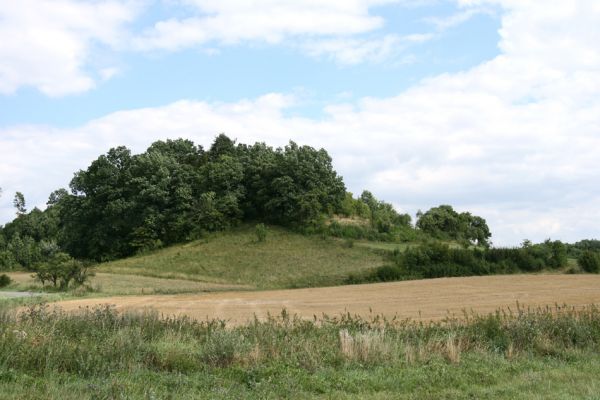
284,260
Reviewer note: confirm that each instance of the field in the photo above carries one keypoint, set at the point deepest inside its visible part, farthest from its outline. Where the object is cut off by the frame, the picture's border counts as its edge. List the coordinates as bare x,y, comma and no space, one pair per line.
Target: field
430,299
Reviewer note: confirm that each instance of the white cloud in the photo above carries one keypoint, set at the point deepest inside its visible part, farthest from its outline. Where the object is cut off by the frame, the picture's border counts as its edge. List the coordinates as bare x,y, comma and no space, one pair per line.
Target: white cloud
514,139
232,21
332,28
46,44
349,51
443,23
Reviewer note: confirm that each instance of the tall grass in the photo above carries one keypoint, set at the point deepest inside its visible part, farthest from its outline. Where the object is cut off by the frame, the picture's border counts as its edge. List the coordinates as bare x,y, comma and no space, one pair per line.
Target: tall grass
100,341
100,354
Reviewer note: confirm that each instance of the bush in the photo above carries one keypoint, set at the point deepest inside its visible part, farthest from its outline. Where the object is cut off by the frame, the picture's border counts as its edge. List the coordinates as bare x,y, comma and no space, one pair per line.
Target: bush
261,232
5,280
62,270
589,261
437,260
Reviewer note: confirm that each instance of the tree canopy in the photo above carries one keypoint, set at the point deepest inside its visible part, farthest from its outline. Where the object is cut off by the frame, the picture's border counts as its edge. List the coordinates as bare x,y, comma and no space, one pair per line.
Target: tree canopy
176,190
444,223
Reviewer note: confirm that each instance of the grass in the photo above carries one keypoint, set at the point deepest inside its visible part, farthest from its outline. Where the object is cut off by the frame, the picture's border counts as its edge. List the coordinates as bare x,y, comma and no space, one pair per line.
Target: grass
284,260
539,354
103,284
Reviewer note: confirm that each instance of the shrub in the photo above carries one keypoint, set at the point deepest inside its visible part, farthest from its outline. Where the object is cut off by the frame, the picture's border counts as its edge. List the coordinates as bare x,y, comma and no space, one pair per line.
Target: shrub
589,261
437,260
62,270
5,280
261,232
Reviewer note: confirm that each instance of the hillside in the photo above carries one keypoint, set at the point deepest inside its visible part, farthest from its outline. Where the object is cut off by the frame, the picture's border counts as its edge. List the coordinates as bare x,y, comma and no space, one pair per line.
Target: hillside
284,260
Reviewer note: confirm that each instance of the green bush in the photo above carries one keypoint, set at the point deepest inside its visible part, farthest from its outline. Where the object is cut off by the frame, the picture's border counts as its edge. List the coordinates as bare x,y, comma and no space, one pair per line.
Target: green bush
261,232
589,261
437,260
61,270
5,280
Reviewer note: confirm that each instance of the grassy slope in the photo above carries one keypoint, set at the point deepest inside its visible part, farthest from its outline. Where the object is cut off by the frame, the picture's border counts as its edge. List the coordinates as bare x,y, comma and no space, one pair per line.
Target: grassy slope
285,260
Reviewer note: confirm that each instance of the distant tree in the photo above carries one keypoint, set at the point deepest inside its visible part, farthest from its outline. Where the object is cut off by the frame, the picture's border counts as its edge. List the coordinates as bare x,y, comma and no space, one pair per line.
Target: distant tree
301,187
444,223
222,146
62,270
19,203
56,196
589,261
558,253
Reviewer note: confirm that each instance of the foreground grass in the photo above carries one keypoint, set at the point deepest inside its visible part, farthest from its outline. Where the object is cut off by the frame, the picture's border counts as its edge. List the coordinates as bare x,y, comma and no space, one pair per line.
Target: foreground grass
547,353
285,260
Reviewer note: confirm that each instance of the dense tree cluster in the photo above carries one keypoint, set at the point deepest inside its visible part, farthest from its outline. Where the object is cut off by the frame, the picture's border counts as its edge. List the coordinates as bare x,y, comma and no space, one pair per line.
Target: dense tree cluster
444,223
173,192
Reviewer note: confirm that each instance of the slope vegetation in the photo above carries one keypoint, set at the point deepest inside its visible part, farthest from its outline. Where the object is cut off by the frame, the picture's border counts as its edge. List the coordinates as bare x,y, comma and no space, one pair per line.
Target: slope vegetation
284,260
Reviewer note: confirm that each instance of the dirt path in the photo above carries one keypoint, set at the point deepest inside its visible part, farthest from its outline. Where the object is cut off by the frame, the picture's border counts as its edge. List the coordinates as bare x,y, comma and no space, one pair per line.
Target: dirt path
427,299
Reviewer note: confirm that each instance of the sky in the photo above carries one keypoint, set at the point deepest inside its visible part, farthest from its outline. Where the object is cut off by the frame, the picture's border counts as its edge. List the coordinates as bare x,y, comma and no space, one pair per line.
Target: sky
491,106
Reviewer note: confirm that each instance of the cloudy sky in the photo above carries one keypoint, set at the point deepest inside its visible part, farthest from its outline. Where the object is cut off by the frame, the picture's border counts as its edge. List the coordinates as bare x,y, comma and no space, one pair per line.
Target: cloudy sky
492,106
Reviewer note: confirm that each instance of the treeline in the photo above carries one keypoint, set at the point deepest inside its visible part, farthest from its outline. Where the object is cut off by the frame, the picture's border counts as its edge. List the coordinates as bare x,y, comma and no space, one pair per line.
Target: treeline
437,260
173,192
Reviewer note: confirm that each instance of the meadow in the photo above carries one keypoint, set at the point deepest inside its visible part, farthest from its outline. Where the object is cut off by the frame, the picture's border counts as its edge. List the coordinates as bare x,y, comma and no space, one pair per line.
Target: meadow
549,353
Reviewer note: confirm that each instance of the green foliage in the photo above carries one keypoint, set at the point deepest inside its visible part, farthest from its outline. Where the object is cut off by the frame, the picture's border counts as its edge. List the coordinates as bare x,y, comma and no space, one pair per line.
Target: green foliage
5,280
589,261
125,204
62,271
261,232
381,221
575,250
101,354
444,223
435,260
19,203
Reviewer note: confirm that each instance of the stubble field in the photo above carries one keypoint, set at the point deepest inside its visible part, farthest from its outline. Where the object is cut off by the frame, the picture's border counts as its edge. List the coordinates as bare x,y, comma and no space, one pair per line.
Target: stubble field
433,299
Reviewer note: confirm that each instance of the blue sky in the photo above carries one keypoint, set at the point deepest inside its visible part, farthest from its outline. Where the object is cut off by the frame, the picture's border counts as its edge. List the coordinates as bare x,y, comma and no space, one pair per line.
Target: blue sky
489,105
229,72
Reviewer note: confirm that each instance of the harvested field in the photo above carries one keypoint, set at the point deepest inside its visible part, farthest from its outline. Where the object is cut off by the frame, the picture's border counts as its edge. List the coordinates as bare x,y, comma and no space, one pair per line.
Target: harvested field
430,299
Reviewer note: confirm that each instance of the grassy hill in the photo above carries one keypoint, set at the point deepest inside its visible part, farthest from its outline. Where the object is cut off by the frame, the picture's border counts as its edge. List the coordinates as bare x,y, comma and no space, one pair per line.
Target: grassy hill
284,260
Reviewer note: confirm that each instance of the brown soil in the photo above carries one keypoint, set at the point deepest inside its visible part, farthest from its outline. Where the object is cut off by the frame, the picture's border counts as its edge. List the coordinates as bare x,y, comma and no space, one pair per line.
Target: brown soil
425,300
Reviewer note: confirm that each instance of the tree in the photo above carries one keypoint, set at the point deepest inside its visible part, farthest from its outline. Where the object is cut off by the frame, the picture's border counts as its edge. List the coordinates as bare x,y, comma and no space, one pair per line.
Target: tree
589,261
19,203
61,270
443,222
56,196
